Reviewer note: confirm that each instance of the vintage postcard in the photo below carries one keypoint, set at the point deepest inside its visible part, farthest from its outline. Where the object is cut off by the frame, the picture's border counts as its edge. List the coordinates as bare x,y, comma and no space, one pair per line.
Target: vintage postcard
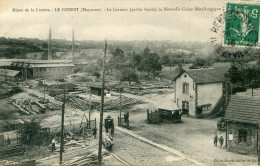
129,82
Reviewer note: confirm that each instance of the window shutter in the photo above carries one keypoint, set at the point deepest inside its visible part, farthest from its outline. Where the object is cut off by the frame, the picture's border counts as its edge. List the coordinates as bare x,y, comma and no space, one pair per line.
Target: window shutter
187,87
236,136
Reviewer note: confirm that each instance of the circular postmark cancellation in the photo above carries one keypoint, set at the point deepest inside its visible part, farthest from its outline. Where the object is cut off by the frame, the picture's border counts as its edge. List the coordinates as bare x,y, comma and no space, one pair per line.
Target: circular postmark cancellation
238,28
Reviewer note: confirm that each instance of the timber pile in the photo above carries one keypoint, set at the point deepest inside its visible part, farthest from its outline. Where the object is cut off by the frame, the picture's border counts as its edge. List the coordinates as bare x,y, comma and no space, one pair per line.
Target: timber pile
83,104
89,159
44,101
25,106
34,107
20,108
12,150
108,141
50,105
53,106
76,102
7,162
125,102
148,87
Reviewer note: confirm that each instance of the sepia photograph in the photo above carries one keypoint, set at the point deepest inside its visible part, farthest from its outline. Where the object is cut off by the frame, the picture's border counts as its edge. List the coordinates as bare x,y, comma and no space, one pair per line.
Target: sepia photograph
130,82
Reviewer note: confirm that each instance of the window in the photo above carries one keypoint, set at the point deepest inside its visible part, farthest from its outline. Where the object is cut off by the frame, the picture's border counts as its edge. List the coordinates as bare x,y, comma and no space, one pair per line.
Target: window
185,88
206,107
242,135
185,105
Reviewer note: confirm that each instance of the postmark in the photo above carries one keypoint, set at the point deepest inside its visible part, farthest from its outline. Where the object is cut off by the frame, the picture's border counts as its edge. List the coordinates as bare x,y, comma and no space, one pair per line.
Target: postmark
233,47
241,27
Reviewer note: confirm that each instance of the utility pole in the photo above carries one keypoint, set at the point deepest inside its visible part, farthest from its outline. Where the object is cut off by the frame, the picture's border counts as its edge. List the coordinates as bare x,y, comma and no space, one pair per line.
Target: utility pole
72,43
102,107
62,122
120,96
44,89
89,114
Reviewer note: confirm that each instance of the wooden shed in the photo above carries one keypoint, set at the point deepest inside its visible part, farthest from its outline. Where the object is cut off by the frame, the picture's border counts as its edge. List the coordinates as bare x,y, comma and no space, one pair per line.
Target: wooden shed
9,75
242,129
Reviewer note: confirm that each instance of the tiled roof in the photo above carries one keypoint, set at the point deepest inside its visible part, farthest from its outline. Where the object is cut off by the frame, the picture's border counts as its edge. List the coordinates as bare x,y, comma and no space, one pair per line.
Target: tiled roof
207,75
243,109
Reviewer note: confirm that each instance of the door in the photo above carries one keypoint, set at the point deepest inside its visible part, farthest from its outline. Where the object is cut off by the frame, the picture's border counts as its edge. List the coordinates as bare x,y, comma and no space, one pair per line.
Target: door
185,107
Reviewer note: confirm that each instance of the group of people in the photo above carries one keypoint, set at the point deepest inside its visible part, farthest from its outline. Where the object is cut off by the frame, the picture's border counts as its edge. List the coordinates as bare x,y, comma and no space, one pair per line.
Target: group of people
216,139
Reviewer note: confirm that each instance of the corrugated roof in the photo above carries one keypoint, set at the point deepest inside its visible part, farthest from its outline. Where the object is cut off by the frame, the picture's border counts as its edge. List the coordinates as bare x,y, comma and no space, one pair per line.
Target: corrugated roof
243,109
10,73
207,75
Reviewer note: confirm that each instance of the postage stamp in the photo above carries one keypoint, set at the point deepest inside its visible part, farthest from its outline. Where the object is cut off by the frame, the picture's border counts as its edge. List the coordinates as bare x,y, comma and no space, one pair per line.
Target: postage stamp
241,26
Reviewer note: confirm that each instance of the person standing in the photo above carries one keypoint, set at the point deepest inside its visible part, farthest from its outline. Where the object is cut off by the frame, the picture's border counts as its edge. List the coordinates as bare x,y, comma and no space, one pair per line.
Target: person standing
53,142
8,141
221,141
95,132
216,140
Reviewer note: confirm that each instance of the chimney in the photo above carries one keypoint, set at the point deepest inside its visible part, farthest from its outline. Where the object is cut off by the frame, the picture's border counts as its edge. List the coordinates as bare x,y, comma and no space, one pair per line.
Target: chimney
72,43
49,46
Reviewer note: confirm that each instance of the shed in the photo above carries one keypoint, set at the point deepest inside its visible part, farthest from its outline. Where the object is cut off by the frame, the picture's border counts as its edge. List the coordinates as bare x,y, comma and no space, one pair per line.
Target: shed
9,75
243,119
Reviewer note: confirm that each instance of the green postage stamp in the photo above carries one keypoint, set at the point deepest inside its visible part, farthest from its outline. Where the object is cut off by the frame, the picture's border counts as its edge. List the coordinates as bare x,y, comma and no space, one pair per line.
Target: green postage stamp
241,25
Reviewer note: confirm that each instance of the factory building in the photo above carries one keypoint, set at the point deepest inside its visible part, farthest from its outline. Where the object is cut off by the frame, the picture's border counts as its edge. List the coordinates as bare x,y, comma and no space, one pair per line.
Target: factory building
43,68
33,68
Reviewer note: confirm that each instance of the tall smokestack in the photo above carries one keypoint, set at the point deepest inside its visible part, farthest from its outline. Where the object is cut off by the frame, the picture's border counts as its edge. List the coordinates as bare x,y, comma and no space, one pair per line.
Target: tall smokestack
72,43
49,46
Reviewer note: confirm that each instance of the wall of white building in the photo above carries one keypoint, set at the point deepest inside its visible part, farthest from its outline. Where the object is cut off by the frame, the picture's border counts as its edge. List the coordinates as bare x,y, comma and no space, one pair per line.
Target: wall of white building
190,96
209,93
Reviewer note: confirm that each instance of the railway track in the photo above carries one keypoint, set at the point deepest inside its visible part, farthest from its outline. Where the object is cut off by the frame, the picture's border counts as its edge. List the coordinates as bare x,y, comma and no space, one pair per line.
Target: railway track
119,159
154,145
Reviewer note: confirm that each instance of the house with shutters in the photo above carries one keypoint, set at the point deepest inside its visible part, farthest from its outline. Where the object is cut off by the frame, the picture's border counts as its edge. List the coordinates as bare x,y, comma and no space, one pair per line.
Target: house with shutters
200,91
243,121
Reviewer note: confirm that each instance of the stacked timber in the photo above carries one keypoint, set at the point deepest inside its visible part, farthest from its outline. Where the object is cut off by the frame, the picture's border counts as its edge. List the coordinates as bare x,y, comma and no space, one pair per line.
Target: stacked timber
108,141
125,101
89,159
20,108
13,150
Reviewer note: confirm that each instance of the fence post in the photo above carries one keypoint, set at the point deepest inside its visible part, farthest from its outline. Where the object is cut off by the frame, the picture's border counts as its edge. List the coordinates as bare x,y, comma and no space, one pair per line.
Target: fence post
147,115
118,121
95,123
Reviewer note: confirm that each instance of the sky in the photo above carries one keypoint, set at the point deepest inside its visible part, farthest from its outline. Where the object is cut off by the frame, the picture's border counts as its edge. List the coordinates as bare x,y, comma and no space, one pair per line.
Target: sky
113,25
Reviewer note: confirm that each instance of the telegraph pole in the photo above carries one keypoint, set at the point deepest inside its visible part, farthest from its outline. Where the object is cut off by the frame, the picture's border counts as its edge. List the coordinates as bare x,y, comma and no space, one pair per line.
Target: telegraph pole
44,89
89,114
102,107
120,96
62,122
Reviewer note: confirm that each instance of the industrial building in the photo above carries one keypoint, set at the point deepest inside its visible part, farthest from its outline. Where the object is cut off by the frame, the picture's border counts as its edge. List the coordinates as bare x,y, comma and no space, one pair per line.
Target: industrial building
43,68
34,68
